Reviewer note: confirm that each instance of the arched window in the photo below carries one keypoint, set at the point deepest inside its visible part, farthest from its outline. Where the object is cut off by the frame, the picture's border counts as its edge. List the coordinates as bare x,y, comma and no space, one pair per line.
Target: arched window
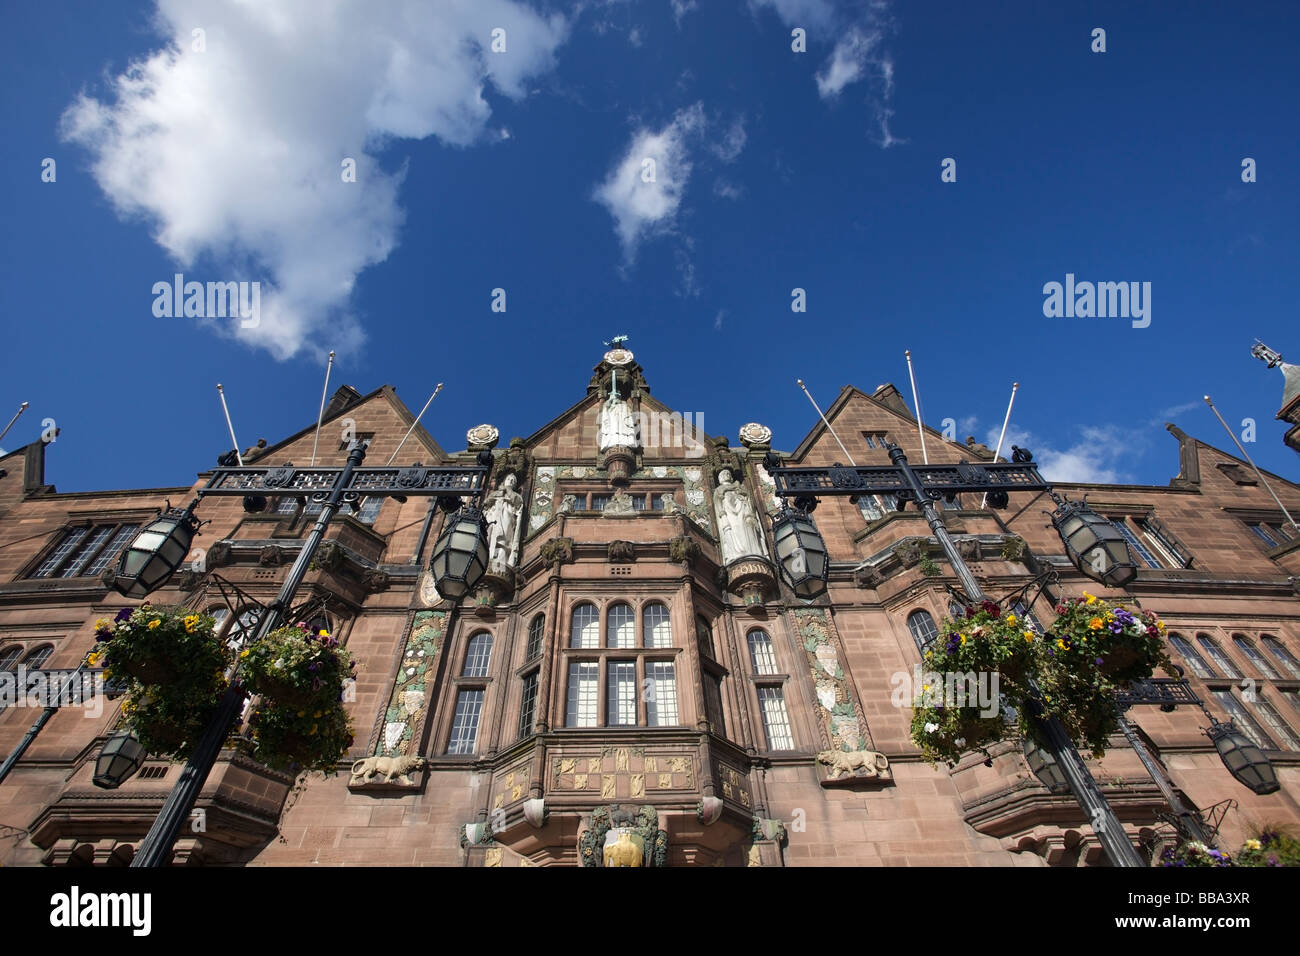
37,656
1194,660
478,655
704,636
620,629
536,629
760,652
218,615
586,626
1247,647
1222,660
9,656
921,624
1283,655
656,626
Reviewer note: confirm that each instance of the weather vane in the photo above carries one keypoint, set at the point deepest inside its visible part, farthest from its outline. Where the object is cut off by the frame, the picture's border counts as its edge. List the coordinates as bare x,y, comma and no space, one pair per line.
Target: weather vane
616,342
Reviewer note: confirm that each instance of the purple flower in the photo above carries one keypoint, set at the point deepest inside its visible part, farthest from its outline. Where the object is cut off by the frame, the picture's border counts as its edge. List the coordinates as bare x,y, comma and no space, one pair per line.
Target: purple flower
1115,627
123,614
954,642
1099,662
313,666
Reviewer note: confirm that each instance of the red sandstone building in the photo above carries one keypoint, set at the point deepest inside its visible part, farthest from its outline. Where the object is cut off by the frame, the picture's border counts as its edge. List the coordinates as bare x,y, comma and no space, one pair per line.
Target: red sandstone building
619,659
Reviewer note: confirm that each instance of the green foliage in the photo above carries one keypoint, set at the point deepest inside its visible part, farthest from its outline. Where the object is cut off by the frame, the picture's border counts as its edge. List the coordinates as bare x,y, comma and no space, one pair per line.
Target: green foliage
292,666
1093,648
295,740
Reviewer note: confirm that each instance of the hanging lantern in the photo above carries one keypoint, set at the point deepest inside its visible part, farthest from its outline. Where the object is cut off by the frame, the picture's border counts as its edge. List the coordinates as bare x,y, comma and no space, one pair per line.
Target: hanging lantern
461,554
801,552
1045,767
155,553
1096,547
1243,758
118,760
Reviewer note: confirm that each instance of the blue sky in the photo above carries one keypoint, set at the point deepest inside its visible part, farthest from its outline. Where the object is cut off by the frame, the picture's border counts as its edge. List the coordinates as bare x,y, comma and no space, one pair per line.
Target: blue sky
522,170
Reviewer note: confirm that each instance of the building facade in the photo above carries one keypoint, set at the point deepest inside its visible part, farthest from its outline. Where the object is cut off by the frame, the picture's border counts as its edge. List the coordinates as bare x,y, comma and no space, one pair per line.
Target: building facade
632,657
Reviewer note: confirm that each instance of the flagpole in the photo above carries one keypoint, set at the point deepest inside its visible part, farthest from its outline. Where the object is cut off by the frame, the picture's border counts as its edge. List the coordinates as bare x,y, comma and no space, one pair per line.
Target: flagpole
321,414
916,403
222,392
826,423
21,408
1005,421
416,422
1258,473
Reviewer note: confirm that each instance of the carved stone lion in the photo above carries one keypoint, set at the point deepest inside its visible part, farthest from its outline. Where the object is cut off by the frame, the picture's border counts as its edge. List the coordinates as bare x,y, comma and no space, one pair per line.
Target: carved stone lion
390,767
859,763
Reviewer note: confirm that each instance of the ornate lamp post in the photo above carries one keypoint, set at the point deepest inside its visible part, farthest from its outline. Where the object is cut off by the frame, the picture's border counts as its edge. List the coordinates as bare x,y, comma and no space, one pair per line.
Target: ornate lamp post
118,760
924,485
159,550
1243,758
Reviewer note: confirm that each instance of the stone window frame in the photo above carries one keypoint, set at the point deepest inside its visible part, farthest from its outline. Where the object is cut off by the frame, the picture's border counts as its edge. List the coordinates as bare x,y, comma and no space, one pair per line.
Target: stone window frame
88,524
462,682
602,655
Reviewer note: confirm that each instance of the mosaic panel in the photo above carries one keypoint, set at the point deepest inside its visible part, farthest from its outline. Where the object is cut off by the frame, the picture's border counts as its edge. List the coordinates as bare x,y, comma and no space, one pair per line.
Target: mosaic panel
837,711
409,702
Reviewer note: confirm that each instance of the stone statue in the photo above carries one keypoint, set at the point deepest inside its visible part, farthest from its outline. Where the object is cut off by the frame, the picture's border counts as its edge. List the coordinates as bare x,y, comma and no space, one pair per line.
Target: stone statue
858,763
620,503
501,510
738,526
569,503
390,767
671,507
615,425
627,850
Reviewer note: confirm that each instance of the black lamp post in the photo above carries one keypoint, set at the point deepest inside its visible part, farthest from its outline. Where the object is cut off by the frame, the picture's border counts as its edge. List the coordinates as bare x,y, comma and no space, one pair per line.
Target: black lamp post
118,760
923,485
159,550
156,552
1243,758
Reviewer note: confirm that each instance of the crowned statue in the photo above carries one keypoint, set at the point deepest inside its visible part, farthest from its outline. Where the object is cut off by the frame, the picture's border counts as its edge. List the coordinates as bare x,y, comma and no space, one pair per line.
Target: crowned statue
738,526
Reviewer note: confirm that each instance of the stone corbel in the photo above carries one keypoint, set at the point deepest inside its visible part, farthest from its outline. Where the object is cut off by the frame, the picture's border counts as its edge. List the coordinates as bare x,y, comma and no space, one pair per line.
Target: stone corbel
557,551
683,549
535,812
621,552
374,580
708,810
271,556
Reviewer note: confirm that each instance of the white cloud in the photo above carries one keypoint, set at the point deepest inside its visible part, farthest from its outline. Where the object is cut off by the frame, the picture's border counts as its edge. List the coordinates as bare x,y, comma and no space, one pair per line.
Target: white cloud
848,62
681,8
726,189
644,189
858,54
717,319
1094,458
232,155
732,143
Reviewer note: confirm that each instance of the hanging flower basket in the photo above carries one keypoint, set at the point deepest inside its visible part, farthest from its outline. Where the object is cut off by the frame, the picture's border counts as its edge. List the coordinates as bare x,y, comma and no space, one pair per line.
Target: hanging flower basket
1093,648
170,724
294,667
292,740
161,646
975,663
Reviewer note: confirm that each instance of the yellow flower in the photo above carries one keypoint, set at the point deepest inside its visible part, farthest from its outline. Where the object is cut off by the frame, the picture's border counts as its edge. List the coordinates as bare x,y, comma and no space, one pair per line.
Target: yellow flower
191,623
154,623
1089,598
323,633
94,658
1060,644
1095,624
317,714
244,653
1011,619
1029,636
963,640
1253,845
1160,625
103,624
302,713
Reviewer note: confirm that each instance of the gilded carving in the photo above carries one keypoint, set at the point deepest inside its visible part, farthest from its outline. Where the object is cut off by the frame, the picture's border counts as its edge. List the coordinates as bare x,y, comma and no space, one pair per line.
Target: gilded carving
638,785
608,786
579,781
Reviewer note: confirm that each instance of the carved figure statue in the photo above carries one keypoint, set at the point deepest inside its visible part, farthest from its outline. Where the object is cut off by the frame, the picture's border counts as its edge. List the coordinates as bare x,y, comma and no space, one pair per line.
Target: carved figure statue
738,525
390,767
671,507
502,509
624,851
615,425
567,505
861,763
